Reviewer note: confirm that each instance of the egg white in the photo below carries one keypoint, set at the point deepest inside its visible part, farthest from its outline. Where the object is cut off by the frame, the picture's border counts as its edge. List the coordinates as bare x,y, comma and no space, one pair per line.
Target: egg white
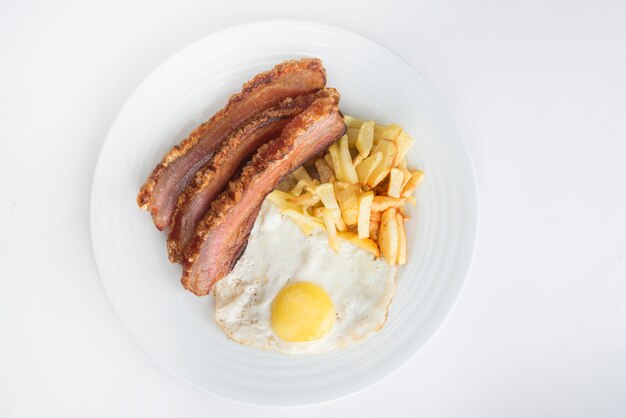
278,253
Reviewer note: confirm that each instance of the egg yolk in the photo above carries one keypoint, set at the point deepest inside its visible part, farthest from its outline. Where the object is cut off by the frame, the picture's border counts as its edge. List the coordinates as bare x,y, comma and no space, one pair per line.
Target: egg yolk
301,312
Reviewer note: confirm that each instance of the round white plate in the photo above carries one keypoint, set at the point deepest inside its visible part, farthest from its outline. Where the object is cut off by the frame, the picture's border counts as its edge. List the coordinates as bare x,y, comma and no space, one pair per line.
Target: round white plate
175,327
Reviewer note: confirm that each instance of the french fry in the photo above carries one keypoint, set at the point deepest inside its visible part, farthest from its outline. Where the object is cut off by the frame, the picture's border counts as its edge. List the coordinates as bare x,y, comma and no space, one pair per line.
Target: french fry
402,164
298,188
389,151
401,239
348,199
366,167
336,214
301,174
326,173
379,129
403,142
382,203
329,223
306,229
326,192
374,224
391,132
365,210
329,162
402,212
366,244
353,134
287,183
305,219
352,122
337,168
305,199
357,160
406,176
365,139
416,178
341,185
345,159
281,200
380,190
388,236
305,185
395,183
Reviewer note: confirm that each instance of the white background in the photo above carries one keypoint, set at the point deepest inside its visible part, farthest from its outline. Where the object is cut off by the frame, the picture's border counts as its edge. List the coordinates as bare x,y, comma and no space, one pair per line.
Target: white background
539,89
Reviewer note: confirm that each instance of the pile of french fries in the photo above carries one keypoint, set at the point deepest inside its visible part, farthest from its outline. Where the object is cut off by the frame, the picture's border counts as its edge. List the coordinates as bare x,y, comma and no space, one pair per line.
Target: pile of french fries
358,190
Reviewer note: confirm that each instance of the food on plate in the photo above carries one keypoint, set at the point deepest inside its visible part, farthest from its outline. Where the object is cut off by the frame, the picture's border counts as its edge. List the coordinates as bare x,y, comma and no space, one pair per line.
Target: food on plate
291,214
301,312
208,182
362,185
350,283
365,214
160,192
388,240
221,235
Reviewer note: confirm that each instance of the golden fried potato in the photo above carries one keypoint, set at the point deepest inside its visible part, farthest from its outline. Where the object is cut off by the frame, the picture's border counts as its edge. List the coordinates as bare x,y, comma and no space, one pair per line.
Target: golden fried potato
388,236
281,200
416,178
366,167
329,161
305,199
352,122
389,151
304,184
336,214
326,192
329,223
348,199
379,129
401,239
357,160
301,174
353,134
402,212
366,244
325,172
365,139
303,218
391,132
306,229
406,176
394,187
382,203
404,142
375,224
345,159
337,167
365,210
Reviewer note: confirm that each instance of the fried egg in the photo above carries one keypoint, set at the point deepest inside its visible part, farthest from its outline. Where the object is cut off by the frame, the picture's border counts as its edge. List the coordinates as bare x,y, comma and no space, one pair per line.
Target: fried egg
293,293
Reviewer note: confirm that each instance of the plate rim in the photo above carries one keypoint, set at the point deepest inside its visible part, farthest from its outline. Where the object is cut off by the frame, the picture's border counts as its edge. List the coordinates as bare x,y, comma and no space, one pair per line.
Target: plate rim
463,148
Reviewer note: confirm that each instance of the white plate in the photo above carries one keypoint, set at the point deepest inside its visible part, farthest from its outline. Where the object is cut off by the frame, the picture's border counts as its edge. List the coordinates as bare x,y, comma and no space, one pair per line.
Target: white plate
177,328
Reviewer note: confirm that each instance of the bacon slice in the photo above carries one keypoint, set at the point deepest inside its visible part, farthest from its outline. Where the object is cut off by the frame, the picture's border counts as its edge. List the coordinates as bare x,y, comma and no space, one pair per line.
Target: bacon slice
194,202
222,234
290,79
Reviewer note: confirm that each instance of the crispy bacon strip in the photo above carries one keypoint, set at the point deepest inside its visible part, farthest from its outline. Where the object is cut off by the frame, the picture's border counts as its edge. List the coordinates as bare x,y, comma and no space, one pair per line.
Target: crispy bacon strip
222,234
290,79
194,202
